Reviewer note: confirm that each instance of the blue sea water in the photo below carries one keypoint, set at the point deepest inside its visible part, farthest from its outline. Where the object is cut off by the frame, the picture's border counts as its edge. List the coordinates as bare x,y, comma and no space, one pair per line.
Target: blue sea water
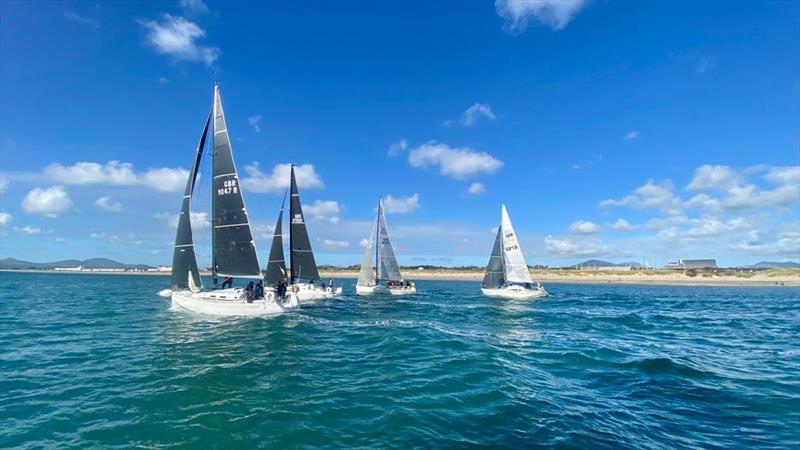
100,361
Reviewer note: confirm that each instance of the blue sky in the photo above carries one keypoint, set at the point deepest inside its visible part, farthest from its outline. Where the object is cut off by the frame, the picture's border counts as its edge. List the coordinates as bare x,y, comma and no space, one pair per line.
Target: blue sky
621,131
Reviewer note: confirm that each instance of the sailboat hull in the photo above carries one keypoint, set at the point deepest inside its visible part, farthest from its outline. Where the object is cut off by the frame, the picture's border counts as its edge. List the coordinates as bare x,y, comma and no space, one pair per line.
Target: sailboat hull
307,292
385,290
230,302
515,292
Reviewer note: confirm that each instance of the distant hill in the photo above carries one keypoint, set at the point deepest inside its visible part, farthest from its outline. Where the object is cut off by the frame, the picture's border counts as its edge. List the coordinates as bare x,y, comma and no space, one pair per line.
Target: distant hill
774,265
91,263
601,263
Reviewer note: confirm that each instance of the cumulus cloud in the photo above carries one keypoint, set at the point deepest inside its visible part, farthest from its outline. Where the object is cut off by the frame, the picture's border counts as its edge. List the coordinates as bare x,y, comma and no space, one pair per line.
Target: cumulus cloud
401,205
786,243
565,246
474,113
199,219
397,148
584,227
194,7
363,243
555,14
476,188
622,225
458,162
106,203
177,38
49,202
731,190
5,218
254,122
652,196
116,173
29,230
328,210
713,177
332,244
116,238
277,181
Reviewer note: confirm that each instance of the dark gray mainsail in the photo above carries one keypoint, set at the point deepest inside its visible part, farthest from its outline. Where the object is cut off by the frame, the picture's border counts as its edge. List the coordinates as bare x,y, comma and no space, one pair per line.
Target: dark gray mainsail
232,241
388,269
276,266
495,272
301,258
184,260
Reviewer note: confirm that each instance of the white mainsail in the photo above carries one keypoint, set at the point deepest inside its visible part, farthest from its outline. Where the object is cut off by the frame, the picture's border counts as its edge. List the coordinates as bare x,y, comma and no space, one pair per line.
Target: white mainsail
516,269
366,276
388,269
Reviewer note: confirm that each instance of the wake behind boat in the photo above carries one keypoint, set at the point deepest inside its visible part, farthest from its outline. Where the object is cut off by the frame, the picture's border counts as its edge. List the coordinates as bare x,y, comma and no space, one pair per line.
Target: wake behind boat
507,273
386,277
233,247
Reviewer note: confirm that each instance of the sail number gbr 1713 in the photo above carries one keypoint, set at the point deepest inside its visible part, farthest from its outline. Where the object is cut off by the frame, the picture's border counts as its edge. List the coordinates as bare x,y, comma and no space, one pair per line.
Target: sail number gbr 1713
229,186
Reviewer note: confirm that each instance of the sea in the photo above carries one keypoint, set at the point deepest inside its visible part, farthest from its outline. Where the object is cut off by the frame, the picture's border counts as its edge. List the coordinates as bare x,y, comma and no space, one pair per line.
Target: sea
100,361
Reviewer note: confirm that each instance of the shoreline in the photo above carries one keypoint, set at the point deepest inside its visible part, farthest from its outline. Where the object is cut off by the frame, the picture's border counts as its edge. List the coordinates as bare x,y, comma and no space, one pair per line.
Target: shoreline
643,278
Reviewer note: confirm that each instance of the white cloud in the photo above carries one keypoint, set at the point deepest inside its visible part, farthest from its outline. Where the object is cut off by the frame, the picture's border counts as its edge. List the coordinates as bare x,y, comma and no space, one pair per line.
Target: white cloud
397,148
622,225
163,80
116,238
474,113
400,205
277,181
631,135
459,163
705,64
555,14
328,210
331,244
785,244
5,218
49,202
194,7
738,194
564,246
476,188
176,37
106,203
81,20
584,227
363,243
713,177
784,175
650,196
708,227
116,173
198,219
29,230
254,122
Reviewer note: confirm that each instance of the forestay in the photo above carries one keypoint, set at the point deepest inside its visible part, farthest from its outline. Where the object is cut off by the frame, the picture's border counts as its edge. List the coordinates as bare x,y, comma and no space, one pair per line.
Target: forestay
388,268
516,269
184,261
495,275
302,261
232,241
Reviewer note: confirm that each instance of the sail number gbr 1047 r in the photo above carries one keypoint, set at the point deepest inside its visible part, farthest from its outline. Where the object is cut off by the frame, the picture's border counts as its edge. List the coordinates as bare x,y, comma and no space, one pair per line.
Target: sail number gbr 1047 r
228,187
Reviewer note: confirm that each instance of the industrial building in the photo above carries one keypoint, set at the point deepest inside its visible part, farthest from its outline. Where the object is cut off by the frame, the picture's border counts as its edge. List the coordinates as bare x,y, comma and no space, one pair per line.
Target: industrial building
684,264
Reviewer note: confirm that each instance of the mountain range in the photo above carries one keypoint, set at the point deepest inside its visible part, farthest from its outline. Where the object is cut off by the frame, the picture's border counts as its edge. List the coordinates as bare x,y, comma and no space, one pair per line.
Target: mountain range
92,263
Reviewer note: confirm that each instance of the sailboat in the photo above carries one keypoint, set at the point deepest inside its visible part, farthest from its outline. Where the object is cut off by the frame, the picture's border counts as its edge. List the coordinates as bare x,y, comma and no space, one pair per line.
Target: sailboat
303,279
386,277
233,247
507,273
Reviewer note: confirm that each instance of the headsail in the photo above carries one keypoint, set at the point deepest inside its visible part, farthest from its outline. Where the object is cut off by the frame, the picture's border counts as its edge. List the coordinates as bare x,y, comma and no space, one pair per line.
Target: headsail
495,275
276,266
301,257
232,241
388,268
516,269
184,261
366,276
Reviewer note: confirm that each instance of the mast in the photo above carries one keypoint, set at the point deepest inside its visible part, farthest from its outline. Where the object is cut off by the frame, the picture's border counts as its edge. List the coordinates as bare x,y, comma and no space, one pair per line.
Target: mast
291,215
377,220
184,259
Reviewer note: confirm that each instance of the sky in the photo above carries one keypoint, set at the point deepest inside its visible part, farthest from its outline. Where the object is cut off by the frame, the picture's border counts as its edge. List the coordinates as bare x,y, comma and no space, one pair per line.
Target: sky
622,131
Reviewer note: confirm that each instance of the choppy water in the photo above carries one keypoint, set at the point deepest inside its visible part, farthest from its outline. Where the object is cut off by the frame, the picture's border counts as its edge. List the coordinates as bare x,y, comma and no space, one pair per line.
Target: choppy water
101,361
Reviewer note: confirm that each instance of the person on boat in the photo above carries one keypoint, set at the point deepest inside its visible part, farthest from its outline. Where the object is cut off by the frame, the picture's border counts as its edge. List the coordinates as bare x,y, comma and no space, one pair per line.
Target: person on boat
259,292
248,291
228,282
281,289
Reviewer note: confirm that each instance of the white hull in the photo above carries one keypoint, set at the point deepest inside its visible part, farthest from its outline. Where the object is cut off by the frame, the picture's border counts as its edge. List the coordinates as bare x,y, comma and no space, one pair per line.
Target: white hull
231,302
310,292
385,290
515,292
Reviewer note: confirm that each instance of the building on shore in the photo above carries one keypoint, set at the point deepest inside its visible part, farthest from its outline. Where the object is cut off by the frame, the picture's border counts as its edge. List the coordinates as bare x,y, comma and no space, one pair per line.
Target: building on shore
685,264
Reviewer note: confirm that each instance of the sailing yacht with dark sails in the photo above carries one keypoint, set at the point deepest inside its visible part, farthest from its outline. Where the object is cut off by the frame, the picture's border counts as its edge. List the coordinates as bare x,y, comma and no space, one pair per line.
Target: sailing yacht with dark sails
233,246
303,278
507,273
386,277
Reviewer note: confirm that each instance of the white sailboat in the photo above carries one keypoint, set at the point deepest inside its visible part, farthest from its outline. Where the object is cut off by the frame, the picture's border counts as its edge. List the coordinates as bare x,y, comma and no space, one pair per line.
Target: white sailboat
507,273
386,277
233,247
